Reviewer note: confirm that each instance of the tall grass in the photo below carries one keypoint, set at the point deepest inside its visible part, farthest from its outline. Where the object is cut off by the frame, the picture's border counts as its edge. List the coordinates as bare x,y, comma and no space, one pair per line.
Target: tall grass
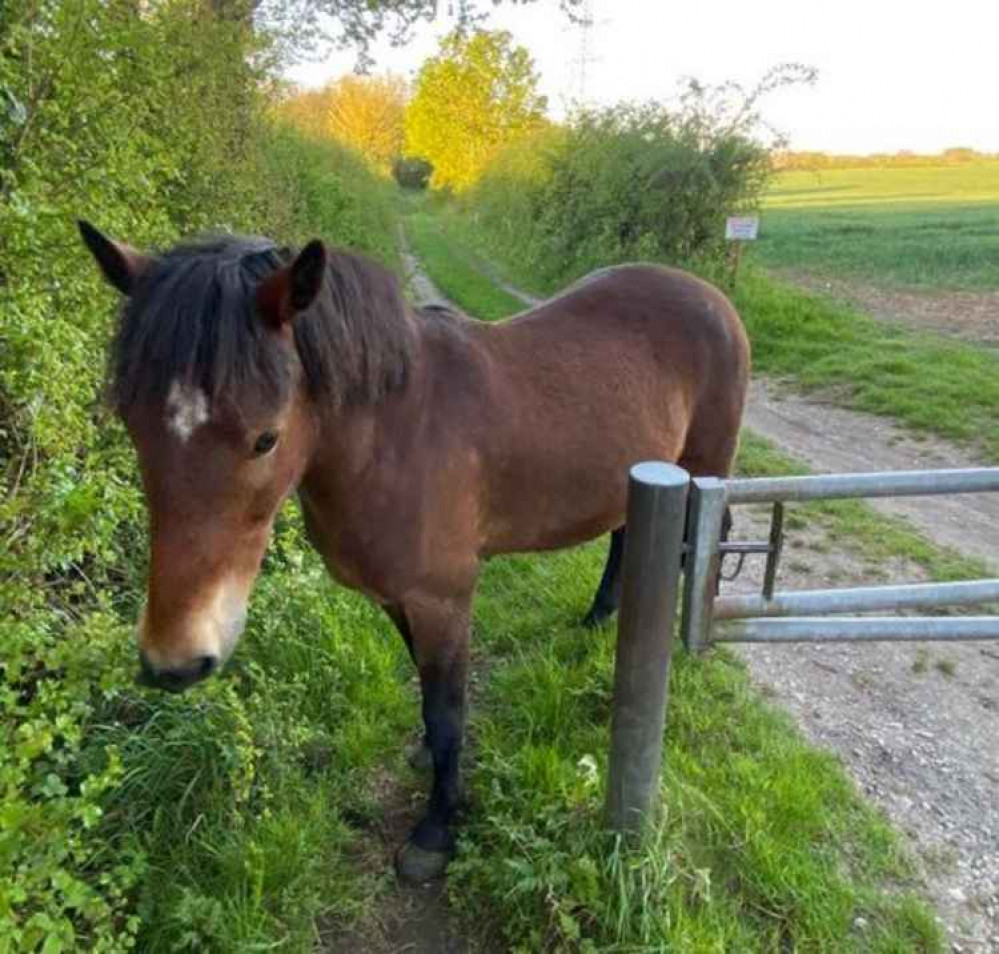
243,797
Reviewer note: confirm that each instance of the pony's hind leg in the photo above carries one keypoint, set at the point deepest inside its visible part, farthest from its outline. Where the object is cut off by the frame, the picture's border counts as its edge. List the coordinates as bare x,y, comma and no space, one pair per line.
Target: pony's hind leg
420,757
608,595
440,631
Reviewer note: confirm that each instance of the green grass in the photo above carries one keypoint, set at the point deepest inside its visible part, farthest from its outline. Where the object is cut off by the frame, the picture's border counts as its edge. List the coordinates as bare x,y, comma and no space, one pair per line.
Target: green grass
932,227
930,383
763,844
248,795
452,272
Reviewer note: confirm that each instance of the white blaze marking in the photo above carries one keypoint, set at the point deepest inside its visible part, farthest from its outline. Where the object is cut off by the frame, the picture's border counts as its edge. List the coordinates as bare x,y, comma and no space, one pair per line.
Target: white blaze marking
187,409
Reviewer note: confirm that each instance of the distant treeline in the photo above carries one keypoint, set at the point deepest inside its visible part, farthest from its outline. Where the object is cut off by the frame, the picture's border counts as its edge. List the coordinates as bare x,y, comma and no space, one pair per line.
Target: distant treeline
811,161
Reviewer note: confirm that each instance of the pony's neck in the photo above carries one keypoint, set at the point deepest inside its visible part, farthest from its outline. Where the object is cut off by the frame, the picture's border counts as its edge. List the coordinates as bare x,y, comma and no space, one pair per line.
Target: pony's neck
356,441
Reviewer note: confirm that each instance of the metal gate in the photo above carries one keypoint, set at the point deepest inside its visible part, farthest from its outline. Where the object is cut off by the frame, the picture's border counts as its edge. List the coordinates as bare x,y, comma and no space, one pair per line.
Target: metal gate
659,496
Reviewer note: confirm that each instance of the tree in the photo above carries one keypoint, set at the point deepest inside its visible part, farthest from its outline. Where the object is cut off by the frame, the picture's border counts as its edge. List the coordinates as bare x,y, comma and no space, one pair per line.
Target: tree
364,113
306,28
307,110
477,96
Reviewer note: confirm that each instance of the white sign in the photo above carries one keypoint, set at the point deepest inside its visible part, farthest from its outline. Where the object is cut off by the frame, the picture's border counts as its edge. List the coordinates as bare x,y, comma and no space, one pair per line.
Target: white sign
742,228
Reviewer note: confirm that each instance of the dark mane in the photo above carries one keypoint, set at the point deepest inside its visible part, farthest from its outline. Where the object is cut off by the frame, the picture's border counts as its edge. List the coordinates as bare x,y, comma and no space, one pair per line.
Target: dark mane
193,317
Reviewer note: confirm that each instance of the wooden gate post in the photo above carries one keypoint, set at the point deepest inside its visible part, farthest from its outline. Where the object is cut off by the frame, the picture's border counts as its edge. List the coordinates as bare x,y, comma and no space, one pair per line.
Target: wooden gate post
657,504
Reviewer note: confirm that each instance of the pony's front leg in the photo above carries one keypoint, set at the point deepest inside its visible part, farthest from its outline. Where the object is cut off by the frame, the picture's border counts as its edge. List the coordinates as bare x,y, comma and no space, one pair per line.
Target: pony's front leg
440,632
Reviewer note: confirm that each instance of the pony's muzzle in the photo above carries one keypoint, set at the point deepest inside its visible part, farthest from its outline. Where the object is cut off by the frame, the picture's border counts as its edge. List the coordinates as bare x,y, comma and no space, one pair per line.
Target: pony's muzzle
190,648
175,678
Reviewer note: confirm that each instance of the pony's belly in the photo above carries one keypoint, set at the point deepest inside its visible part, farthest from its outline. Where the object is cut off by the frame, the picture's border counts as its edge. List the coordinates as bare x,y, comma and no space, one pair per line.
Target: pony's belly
530,537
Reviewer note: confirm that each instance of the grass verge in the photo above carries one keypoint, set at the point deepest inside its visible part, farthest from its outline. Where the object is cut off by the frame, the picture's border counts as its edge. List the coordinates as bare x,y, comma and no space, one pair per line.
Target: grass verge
763,845
929,383
452,273
248,796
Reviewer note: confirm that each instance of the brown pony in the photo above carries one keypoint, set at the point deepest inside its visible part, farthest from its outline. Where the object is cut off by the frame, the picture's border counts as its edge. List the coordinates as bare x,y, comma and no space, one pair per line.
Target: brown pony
420,442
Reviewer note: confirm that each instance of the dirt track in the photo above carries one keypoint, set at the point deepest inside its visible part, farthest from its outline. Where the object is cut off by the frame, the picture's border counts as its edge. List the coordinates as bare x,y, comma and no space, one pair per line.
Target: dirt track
915,723
831,438
968,315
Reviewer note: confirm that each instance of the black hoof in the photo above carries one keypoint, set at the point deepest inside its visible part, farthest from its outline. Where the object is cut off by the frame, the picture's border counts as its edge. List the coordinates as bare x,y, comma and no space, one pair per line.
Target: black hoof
421,758
416,865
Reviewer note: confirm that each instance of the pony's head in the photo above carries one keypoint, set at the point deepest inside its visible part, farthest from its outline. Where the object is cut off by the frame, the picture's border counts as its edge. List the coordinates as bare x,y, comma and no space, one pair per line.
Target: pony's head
227,354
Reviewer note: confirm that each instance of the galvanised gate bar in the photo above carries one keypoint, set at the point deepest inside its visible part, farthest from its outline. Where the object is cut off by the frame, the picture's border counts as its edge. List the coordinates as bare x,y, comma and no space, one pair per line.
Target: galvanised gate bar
654,551
795,616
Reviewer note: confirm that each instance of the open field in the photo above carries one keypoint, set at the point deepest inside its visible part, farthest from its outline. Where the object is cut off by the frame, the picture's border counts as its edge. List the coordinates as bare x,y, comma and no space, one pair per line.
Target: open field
927,228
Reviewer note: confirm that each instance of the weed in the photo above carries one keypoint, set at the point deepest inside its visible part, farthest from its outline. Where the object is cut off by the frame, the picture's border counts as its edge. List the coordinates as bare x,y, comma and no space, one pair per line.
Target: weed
946,666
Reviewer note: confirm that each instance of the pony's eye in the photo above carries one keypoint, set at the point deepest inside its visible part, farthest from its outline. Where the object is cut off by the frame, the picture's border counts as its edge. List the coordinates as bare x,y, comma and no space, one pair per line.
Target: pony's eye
265,443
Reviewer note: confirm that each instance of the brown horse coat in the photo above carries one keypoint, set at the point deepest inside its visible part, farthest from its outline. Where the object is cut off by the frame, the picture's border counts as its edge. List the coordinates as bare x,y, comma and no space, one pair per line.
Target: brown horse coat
447,441
518,436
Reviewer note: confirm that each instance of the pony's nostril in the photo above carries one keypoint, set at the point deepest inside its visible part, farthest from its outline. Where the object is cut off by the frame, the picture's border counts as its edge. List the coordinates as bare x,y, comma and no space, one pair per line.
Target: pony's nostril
206,665
179,678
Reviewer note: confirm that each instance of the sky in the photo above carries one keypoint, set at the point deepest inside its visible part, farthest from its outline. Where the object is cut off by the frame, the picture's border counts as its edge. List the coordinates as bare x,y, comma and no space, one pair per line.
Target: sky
921,75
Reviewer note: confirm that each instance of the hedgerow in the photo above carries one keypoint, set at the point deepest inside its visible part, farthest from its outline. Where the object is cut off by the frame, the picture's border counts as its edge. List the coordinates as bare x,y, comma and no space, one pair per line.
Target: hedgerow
629,182
127,819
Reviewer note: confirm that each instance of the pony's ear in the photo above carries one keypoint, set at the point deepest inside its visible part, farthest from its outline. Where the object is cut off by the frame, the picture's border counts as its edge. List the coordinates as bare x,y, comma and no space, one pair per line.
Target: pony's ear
121,264
293,288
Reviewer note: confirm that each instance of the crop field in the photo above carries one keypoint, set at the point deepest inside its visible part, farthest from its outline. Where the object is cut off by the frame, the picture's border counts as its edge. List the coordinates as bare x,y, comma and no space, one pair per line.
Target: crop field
926,228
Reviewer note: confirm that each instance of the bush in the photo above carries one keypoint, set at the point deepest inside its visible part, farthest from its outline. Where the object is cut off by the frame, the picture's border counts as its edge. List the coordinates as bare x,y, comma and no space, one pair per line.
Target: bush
622,184
147,119
322,189
629,182
412,173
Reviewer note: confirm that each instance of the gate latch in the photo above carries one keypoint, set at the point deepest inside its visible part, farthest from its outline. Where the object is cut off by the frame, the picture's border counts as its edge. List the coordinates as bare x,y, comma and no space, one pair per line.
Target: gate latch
772,548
